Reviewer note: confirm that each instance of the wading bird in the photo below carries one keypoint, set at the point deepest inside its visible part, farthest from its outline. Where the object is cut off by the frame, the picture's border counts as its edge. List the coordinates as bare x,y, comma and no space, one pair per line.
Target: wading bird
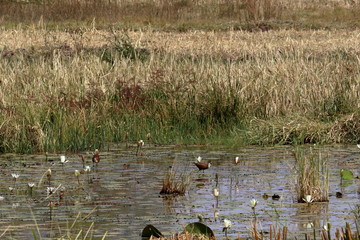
96,157
202,166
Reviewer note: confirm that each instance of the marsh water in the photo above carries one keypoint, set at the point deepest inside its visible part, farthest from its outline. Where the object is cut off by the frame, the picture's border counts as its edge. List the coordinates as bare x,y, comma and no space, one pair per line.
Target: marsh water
123,197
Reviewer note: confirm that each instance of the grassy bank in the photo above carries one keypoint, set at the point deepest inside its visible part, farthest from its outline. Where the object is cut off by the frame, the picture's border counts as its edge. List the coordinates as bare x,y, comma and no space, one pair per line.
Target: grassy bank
183,15
79,90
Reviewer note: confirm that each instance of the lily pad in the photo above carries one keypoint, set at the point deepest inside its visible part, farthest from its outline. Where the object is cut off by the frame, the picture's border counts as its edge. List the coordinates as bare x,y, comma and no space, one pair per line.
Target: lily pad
149,231
346,174
200,228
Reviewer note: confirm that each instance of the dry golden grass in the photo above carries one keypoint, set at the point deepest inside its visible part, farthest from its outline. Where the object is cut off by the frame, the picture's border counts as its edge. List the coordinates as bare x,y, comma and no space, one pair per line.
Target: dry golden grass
173,184
305,82
312,176
185,14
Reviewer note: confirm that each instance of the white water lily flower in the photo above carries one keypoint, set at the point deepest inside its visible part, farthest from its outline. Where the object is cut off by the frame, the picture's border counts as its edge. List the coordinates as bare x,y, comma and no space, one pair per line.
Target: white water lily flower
63,159
87,169
11,189
227,223
236,159
358,145
253,203
15,205
308,225
216,192
15,176
198,159
308,199
50,190
327,226
141,143
31,185
77,173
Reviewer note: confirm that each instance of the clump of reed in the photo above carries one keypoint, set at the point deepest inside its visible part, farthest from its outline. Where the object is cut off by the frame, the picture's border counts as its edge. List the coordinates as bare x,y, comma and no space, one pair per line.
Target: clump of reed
345,233
173,184
312,176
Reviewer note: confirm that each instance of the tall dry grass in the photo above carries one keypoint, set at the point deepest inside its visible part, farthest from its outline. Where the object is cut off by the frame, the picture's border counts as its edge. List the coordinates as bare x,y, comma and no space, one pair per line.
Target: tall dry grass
312,176
183,14
72,90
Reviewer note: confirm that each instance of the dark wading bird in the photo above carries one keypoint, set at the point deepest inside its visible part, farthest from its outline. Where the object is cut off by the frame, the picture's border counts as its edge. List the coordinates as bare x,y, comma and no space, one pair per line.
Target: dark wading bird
202,166
96,157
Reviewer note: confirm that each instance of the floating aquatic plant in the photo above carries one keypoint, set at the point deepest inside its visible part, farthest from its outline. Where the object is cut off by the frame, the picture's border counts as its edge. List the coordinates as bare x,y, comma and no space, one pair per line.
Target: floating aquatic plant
15,177
77,175
50,191
198,231
31,186
139,144
308,199
48,175
253,203
63,159
346,174
87,171
227,225
216,192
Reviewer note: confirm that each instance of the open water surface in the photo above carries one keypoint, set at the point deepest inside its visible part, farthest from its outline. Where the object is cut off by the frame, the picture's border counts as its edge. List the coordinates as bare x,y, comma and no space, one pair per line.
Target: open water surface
123,196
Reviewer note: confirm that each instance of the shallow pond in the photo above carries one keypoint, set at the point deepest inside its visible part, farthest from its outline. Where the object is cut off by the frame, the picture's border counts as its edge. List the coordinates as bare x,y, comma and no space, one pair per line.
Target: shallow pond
123,196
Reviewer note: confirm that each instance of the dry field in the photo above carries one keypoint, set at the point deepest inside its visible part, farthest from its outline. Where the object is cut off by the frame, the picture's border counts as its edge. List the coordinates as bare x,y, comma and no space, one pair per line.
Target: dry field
281,86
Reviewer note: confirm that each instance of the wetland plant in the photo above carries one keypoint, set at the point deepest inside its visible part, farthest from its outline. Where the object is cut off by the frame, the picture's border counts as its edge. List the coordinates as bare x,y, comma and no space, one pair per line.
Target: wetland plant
77,175
308,199
63,160
31,187
15,177
82,159
253,203
50,191
216,195
88,170
173,184
139,144
51,207
216,192
48,175
126,138
312,176
227,225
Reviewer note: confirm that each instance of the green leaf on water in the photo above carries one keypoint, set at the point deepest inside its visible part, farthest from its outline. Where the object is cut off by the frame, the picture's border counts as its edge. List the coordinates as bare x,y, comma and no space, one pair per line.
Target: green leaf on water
346,174
149,231
199,228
